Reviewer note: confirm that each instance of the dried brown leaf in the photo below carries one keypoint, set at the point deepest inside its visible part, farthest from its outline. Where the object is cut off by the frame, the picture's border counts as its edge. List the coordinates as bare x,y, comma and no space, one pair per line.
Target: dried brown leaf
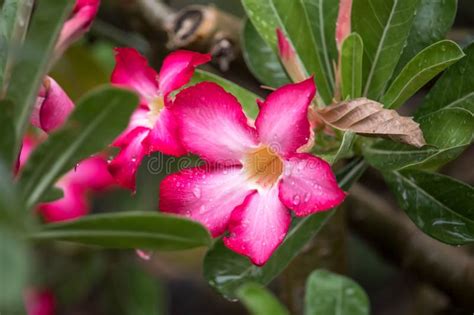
369,118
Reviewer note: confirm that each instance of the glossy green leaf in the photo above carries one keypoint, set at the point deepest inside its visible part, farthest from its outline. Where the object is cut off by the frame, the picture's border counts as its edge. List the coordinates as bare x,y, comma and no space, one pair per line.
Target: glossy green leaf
99,117
259,301
455,88
440,206
331,294
352,54
33,60
247,99
433,20
227,271
7,133
384,26
262,61
448,133
299,20
144,230
420,70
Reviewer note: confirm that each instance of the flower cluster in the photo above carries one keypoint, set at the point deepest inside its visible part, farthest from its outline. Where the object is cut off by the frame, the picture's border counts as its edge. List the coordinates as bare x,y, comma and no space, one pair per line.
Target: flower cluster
256,175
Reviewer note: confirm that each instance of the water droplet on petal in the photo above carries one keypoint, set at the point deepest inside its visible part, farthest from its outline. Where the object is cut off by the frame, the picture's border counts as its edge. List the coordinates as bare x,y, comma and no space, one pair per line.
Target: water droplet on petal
307,196
296,200
197,192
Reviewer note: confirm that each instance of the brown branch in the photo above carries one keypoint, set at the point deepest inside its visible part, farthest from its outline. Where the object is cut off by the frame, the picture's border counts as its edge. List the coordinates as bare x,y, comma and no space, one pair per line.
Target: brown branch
202,28
448,268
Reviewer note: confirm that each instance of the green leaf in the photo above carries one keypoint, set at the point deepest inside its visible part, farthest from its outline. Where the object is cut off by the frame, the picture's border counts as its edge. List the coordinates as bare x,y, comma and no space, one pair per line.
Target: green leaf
352,54
7,132
33,60
98,118
227,271
14,270
331,294
259,301
432,21
448,133
14,252
455,88
7,21
262,61
52,195
308,25
420,70
144,230
440,206
247,99
136,291
344,150
384,26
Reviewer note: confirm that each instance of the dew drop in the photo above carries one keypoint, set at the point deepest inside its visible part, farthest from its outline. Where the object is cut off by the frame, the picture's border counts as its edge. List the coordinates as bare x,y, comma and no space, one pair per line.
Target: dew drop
296,200
197,192
307,196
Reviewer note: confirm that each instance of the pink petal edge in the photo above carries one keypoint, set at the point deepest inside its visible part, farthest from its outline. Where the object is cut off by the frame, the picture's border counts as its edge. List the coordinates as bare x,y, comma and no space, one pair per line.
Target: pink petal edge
309,185
258,226
282,122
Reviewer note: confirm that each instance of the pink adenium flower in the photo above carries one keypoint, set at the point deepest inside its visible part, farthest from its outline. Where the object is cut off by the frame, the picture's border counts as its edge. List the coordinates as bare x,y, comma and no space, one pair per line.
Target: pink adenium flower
152,127
79,22
253,176
52,107
40,302
90,175
343,24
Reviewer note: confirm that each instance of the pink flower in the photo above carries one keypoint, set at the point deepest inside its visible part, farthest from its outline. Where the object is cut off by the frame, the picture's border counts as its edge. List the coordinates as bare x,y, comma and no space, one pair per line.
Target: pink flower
78,23
52,107
40,302
90,175
343,25
152,127
253,175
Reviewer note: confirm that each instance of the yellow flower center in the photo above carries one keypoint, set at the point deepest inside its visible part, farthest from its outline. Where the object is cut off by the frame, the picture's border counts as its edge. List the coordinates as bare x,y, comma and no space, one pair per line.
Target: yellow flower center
155,105
263,166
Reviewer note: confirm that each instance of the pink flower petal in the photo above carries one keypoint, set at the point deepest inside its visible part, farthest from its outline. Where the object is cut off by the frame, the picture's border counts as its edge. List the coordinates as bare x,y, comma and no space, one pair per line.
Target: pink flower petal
309,185
283,119
343,24
40,302
125,165
164,135
92,173
80,21
28,145
178,68
132,71
52,107
73,204
140,119
258,226
206,195
212,124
